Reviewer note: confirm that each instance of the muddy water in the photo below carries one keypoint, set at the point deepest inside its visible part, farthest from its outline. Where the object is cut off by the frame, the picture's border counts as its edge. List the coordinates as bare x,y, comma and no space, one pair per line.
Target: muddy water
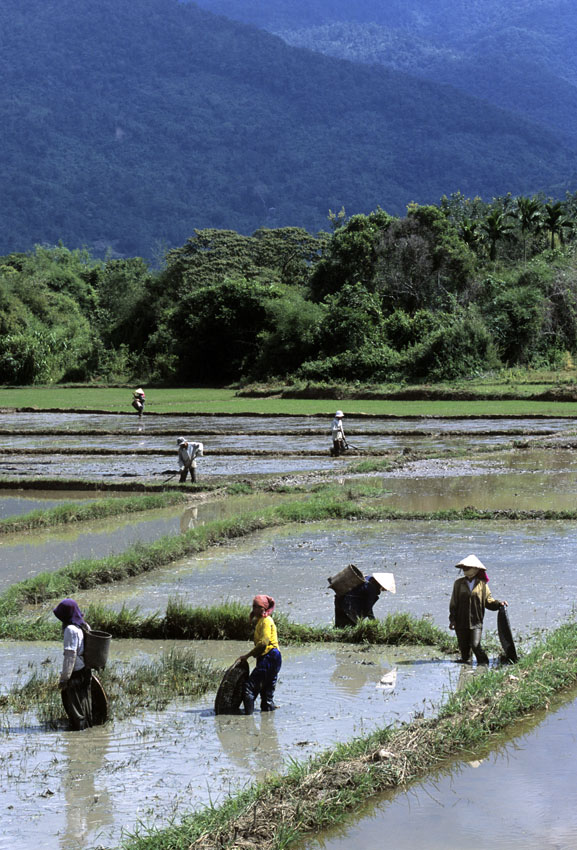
158,466
519,796
25,555
531,565
246,424
530,480
77,790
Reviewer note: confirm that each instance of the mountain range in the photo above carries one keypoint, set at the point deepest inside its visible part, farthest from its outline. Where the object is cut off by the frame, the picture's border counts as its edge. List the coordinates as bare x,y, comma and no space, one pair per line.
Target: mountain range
126,124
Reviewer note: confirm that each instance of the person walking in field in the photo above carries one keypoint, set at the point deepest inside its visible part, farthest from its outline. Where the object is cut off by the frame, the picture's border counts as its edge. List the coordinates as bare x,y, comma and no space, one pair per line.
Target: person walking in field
75,678
187,454
338,434
263,678
470,597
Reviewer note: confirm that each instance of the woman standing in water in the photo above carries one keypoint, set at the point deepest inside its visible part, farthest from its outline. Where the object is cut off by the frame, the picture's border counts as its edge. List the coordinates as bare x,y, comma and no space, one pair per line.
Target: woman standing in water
263,678
470,597
75,678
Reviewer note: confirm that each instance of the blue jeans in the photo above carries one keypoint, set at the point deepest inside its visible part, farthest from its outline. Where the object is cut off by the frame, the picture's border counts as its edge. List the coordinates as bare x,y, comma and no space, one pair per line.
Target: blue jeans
262,681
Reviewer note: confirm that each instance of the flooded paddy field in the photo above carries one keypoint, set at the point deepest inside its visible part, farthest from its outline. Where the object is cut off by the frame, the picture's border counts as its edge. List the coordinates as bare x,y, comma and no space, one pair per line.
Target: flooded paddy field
195,424
105,446
25,554
530,564
80,790
155,467
16,504
519,795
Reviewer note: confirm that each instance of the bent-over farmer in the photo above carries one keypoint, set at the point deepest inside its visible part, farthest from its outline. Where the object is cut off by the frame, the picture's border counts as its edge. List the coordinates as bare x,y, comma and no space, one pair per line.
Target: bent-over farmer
357,603
187,454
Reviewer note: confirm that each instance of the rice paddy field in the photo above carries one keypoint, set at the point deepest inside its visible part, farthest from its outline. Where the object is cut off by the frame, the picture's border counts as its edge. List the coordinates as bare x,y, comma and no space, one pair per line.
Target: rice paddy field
506,469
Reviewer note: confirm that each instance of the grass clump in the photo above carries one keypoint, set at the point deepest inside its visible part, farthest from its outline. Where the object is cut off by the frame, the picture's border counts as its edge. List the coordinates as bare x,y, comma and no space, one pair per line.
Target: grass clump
149,686
229,621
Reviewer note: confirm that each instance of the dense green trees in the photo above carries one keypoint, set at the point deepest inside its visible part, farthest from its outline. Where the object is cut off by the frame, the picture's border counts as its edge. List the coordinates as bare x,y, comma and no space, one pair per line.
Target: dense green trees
444,292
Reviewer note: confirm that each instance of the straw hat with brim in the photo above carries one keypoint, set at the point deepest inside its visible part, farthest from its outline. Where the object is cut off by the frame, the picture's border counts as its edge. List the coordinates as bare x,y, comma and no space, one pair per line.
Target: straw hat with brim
386,580
180,441
339,414
470,561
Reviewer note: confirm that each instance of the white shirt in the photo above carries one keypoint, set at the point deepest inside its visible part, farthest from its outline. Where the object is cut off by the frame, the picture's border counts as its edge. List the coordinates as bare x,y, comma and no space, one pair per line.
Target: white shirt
337,429
74,639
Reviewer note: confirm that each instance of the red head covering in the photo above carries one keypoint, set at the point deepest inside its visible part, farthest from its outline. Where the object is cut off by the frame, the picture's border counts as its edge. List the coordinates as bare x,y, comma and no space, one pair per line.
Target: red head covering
266,602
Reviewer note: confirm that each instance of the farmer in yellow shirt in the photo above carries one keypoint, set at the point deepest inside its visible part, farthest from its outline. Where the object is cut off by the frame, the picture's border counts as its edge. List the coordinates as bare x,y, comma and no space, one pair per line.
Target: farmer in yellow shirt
263,678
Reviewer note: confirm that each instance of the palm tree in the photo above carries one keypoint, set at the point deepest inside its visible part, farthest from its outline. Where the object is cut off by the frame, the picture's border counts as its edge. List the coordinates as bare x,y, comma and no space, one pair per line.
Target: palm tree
496,226
555,221
529,215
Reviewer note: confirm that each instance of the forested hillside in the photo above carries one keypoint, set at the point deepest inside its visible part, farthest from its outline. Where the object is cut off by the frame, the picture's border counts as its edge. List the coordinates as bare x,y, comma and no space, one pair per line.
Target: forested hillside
445,292
125,124
518,55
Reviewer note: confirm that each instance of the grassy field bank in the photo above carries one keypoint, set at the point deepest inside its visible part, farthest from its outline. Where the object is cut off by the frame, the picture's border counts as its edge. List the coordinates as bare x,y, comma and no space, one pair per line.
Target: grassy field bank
190,401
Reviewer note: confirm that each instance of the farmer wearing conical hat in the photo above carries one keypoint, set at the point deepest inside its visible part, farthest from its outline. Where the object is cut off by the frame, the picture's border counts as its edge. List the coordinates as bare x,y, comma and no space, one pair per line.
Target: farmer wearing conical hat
338,434
470,597
358,603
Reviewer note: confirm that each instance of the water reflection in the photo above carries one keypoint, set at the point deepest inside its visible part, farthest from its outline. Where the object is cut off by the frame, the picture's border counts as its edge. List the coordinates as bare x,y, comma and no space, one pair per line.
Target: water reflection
86,797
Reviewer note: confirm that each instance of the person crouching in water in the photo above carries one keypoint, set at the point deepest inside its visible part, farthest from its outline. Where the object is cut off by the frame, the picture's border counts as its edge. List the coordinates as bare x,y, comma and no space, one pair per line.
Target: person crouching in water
263,678
357,604
138,400
338,434
75,678
470,597
187,454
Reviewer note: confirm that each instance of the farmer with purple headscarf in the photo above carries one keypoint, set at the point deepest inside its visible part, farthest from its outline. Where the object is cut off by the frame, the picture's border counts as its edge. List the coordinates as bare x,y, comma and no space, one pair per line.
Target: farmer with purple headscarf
75,678
263,678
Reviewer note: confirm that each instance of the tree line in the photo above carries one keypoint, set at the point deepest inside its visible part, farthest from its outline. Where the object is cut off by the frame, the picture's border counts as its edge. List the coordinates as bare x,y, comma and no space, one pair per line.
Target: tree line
446,291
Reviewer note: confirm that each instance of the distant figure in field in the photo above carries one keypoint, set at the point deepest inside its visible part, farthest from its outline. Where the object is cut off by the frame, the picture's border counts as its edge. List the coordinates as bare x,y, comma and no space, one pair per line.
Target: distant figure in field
187,454
338,434
138,400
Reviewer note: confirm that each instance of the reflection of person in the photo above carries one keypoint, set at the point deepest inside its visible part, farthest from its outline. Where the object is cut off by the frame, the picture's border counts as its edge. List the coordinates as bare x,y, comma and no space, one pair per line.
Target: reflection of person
187,454
470,597
263,678
358,603
75,678
338,434
138,400
188,519
88,810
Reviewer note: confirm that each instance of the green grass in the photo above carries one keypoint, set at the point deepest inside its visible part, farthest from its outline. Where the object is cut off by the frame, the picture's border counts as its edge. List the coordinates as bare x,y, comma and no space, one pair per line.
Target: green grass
214,401
229,621
71,512
320,793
